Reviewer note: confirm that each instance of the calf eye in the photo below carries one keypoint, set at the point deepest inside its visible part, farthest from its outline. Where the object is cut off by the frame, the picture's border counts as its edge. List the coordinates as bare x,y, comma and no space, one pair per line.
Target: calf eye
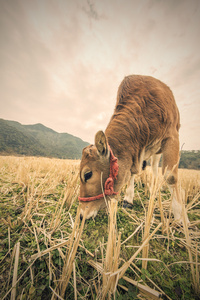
87,176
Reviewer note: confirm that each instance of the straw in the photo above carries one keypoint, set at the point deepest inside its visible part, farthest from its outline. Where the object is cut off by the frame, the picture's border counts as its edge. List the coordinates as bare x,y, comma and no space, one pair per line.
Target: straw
189,246
74,273
146,290
71,252
149,219
14,281
126,265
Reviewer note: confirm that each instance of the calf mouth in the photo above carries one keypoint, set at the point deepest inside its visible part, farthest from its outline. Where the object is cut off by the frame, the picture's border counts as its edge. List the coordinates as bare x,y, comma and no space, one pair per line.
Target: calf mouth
90,209
89,214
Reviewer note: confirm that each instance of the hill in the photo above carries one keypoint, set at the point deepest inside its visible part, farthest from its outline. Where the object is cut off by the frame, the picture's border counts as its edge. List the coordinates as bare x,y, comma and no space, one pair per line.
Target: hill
190,160
38,140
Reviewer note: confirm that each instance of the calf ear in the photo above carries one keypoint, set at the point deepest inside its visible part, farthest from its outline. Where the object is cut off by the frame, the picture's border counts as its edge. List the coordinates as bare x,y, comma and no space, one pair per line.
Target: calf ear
101,143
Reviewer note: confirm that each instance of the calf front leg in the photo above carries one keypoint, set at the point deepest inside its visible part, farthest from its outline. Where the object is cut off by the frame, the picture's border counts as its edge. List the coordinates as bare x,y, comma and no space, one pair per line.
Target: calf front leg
128,199
155,159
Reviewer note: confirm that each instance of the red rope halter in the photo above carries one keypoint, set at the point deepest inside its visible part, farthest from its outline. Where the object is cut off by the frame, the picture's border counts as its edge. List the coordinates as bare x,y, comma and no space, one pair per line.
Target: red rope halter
109,184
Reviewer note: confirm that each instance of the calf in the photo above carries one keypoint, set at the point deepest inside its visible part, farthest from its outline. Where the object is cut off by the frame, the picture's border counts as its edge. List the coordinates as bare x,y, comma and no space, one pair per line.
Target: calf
145,124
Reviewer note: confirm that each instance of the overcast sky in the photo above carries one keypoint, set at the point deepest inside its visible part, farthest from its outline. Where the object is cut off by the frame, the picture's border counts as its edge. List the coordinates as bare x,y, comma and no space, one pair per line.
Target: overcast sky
61,62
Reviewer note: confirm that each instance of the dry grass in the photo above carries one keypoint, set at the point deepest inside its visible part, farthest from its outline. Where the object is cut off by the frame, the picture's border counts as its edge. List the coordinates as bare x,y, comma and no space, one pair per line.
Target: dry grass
47,253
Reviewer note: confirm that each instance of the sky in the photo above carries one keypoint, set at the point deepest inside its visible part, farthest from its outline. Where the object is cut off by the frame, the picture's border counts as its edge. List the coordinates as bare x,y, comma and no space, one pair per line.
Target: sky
61,62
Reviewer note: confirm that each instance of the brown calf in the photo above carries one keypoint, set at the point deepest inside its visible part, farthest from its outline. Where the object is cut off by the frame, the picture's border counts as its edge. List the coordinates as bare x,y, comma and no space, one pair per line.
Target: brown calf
145,124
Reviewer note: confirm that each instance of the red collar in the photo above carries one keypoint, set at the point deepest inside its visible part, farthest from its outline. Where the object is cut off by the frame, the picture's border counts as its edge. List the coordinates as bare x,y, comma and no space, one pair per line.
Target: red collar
109,184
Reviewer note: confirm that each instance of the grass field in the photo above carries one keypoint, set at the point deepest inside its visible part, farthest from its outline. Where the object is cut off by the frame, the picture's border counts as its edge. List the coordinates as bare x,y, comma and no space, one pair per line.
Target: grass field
46,252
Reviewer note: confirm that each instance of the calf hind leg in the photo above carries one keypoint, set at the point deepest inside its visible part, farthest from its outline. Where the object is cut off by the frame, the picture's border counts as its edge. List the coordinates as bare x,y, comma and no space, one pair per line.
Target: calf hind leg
170,171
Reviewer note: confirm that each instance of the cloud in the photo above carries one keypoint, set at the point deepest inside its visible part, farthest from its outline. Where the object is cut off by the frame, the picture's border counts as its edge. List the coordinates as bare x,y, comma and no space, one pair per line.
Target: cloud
62,62
90,10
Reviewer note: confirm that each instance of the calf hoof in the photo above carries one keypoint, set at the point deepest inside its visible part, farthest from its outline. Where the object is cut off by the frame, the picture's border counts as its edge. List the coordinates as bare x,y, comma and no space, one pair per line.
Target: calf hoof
126,204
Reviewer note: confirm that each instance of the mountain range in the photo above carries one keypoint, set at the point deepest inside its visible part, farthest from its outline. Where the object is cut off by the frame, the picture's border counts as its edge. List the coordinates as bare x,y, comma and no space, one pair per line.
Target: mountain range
38,140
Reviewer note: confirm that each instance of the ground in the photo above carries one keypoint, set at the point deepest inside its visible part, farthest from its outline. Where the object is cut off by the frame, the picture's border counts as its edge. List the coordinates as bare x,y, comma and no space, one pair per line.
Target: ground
46,253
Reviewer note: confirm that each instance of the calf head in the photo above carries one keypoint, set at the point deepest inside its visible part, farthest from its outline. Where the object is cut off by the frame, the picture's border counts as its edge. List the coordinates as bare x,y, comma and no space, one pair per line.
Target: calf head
94,170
